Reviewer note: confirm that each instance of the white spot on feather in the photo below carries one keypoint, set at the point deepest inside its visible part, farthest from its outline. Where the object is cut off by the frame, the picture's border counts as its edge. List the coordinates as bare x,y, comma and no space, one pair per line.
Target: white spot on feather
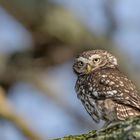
111,93
83,91
126,90
131,113
104,76
90,89
111,83
95,93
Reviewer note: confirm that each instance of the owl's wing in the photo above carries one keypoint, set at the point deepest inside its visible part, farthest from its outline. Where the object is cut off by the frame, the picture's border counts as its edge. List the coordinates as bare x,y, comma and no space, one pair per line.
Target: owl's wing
125,111
119,88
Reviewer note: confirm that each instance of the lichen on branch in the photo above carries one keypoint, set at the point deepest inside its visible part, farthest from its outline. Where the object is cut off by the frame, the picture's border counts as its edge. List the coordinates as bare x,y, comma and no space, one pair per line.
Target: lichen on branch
125,130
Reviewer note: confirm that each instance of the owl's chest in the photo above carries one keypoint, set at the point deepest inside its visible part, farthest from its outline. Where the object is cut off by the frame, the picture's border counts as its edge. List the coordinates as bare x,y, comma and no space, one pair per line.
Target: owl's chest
87,92
87,86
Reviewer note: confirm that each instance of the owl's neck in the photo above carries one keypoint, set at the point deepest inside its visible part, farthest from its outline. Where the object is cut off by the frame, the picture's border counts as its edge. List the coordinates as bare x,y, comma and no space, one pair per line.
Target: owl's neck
109,67
106,68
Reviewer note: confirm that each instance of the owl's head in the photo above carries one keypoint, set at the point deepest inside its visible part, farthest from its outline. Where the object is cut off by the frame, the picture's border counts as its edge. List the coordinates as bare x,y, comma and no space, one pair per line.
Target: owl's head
90,61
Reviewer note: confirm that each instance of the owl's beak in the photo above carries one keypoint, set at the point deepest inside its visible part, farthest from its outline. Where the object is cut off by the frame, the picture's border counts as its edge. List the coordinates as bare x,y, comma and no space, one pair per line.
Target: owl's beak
89,68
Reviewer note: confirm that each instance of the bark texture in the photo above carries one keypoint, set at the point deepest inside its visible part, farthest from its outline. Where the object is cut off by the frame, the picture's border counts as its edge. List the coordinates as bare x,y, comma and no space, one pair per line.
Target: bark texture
126,130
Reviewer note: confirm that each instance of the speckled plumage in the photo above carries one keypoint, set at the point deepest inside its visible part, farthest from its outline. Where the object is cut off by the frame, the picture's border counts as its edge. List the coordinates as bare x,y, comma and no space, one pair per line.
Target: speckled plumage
105,92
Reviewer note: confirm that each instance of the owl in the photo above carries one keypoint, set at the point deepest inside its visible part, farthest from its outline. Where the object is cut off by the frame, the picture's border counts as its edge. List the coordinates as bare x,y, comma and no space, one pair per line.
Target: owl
105,92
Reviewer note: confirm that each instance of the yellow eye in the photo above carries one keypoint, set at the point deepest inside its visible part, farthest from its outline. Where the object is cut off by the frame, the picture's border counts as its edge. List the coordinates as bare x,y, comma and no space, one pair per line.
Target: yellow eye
96,60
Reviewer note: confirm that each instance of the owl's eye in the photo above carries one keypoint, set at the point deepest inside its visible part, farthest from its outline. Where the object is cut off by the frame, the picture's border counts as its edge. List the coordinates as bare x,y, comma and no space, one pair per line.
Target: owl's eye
80,64
96,60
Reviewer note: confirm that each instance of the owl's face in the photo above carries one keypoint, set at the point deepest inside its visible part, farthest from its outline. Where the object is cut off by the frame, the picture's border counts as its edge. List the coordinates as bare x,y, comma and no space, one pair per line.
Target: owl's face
89,61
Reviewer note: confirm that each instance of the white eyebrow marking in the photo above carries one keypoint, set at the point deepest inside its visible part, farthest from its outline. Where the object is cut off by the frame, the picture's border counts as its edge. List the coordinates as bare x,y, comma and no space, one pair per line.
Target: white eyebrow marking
85,60
94,56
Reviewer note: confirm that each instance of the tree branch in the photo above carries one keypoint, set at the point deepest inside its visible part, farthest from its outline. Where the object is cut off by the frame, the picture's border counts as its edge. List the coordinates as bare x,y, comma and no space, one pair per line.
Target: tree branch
126,130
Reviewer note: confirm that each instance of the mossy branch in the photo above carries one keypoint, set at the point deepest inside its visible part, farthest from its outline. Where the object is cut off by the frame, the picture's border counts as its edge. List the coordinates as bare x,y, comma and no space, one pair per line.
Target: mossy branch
126,130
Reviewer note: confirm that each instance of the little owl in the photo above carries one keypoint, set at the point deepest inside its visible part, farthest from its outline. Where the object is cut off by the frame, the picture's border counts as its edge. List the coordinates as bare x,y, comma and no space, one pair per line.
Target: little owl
105,92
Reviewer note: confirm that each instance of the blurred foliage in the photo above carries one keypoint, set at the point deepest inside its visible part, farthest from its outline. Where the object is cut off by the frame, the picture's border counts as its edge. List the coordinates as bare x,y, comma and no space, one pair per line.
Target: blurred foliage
57,35
7,113
53,23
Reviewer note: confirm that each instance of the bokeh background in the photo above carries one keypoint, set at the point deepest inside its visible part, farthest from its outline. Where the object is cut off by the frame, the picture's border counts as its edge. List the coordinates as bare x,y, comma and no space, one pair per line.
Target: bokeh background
38,42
